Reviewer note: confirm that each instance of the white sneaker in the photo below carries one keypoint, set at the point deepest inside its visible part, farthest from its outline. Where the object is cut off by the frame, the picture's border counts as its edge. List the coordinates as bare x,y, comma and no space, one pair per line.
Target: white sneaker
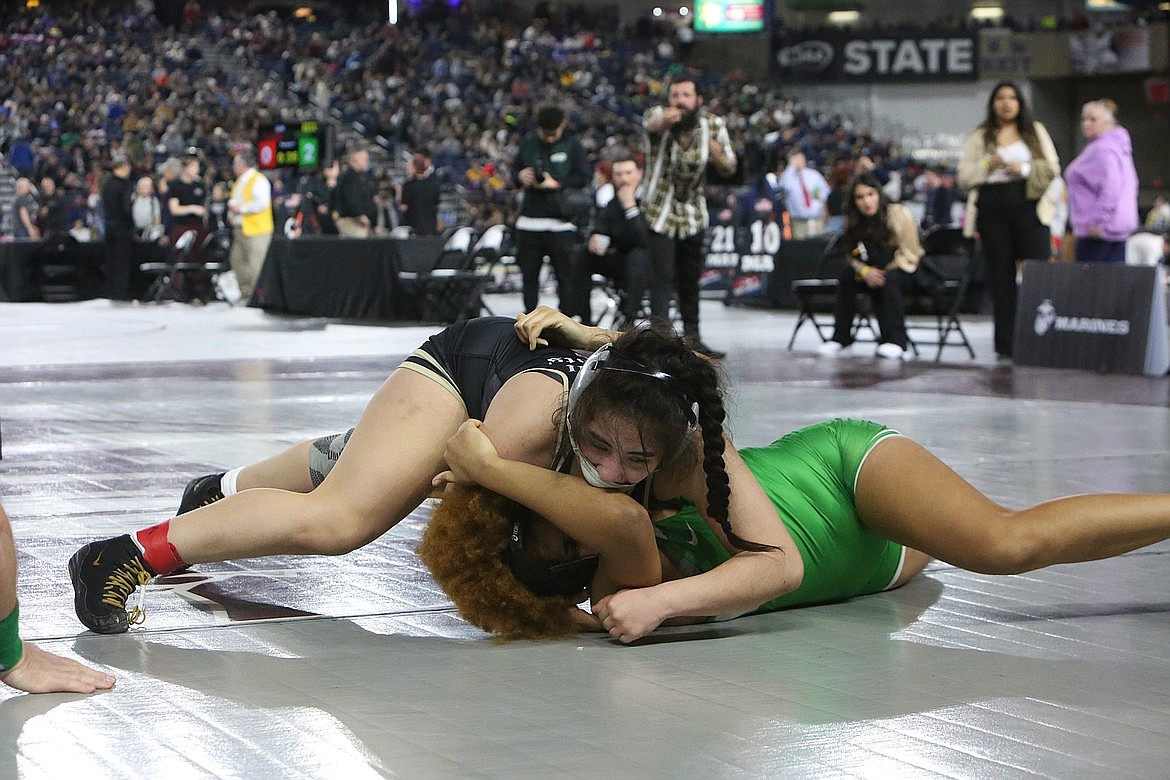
835,349
890,351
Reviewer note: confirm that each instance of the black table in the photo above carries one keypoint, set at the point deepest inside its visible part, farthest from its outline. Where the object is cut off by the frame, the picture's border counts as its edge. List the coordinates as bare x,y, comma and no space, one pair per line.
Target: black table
328,276
344,278
30,269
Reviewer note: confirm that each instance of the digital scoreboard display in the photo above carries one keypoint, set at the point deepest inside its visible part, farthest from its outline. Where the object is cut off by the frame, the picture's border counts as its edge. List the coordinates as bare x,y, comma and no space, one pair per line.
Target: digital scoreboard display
298,145
730,16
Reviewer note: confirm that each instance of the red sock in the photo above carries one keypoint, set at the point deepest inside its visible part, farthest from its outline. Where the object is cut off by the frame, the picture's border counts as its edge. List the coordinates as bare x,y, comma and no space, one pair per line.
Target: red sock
161,556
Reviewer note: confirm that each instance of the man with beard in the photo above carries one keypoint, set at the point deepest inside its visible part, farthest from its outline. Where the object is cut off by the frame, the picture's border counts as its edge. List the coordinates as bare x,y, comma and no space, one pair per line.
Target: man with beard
682,139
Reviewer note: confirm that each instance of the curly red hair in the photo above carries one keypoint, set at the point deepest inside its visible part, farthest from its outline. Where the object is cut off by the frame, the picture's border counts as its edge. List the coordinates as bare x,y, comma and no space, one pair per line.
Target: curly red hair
463,546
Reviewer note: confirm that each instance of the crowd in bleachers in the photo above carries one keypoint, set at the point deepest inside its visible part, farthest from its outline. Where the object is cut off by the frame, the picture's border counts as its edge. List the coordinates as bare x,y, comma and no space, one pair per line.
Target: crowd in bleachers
90,84
86,83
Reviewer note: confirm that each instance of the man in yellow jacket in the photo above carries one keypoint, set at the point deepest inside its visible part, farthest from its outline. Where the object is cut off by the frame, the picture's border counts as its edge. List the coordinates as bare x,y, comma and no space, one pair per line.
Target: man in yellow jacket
250,210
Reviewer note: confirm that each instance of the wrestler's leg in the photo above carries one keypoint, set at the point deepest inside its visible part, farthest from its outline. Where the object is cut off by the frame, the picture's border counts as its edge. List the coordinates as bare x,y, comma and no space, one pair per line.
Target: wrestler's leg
288,470
909,496
912,565
383,474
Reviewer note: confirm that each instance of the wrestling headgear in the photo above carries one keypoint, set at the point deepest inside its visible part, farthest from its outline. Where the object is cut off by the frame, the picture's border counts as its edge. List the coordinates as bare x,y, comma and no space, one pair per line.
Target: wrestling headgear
608,359
544,579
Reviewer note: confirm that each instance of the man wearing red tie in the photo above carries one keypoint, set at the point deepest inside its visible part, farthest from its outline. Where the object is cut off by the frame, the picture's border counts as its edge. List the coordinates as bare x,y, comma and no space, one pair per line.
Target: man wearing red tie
805,193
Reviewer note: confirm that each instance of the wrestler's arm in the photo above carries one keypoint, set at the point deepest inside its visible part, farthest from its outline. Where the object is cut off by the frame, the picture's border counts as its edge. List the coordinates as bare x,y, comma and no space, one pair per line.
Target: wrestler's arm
740,584
37,670
608,522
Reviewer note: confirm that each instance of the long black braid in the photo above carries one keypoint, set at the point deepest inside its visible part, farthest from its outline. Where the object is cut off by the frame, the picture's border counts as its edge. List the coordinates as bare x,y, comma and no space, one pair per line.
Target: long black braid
705,388
664,411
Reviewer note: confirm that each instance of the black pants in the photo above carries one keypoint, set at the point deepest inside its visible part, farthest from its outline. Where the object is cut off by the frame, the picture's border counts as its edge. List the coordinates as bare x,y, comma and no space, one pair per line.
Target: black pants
1010,232
120,267
1099,250
630,272
889,305
531,249
675,268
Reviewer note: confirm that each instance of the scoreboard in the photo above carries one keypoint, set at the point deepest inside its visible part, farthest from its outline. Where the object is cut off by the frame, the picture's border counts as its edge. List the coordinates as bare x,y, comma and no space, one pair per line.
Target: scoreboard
731,16
302,146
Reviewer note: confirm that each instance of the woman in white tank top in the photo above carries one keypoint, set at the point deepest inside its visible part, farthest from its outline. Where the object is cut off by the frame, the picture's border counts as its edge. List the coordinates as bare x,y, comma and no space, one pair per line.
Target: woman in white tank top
1008,162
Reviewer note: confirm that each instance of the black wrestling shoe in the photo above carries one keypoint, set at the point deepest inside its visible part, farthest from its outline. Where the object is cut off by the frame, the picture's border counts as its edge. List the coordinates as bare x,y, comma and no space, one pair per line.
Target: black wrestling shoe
104,574
201,491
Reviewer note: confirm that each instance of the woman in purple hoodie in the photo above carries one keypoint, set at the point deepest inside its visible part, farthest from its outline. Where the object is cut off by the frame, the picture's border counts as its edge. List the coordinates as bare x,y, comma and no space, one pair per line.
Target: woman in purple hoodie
1102,187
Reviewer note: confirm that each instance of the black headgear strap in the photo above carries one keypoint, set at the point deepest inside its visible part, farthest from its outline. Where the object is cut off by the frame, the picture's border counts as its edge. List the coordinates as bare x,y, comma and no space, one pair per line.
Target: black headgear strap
543,579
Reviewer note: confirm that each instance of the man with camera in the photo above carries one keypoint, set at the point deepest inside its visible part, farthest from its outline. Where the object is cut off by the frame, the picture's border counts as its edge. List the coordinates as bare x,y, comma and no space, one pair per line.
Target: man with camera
551,168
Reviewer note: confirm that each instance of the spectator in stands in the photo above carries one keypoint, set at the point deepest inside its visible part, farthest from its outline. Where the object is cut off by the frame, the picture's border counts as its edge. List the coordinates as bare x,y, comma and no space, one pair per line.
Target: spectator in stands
53,214
317,217
1102,187
548,163
938,197
250,211
24,211
682,140
217,211
805,194
150,238
116,196
602,184
146,211
839,180
618,245
419,201
882,251
187,203
190,95
171,170
387,197
1158,218
354,211
867,162
765,199
1007,164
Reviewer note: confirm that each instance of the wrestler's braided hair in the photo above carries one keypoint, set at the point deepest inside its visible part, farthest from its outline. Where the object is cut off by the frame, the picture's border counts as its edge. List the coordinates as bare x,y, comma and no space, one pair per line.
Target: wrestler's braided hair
663,408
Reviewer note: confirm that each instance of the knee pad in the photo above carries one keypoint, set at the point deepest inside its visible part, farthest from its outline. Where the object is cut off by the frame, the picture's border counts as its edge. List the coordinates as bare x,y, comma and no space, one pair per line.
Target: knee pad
324,453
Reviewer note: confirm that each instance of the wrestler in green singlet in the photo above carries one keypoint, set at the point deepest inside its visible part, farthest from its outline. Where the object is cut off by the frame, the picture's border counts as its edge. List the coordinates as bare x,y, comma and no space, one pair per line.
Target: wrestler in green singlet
810,476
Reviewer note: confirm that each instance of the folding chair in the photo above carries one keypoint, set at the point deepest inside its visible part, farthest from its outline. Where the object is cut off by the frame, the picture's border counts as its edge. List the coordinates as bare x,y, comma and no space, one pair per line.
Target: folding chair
611,317
216,254
167,272
495,256
439,282
818,297
944,273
